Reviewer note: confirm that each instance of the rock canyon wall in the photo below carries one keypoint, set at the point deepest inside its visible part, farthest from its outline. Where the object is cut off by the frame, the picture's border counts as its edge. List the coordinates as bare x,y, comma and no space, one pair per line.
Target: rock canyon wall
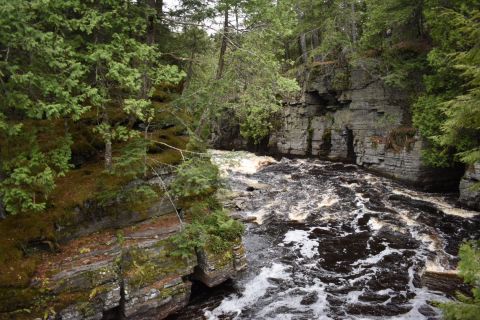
346,114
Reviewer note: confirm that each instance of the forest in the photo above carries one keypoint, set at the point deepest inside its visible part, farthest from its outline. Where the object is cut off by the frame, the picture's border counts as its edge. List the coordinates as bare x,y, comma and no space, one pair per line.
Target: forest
98,98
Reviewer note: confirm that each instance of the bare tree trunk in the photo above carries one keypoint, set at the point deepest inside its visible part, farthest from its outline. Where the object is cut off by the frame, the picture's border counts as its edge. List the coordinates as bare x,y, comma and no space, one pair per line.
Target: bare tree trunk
223,48
202,123
3,212
315,38
303,47
236,18
151,22
108,154
287,50
145,158
189,75
159,8
315,43
354,25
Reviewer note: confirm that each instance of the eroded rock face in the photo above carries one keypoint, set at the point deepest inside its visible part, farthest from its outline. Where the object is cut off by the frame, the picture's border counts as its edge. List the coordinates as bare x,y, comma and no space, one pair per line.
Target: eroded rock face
469,194
349,116
125,274
213,268
345,114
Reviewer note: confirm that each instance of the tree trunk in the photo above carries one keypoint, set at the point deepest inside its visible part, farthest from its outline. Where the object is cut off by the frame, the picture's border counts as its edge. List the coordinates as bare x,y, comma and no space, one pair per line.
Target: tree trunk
108,155
3,212
303,47
223,48
354,25
145,157
151,22
315,43
236,18
189,75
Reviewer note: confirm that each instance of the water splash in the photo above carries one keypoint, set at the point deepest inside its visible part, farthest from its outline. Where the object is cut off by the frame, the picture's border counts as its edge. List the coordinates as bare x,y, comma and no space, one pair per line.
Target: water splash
331,241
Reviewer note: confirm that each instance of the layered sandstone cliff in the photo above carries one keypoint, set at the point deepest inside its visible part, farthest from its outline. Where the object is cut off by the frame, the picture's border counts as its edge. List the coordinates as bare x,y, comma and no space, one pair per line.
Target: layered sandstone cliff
347,114
116,265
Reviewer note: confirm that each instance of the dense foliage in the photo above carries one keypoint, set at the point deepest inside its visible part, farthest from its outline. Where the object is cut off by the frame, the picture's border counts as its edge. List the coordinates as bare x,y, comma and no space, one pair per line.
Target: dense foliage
195,185
196,177
448,113
63,62
466,307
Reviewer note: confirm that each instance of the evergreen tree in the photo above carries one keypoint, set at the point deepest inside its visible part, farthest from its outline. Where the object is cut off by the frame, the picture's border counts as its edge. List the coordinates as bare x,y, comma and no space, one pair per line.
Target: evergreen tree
41,89
448,113
60,60
466,308
245,80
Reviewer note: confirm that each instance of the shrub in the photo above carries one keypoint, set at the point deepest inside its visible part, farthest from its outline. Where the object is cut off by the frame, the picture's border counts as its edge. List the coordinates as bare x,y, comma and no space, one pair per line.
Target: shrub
466,308
214,230
196,178
401,138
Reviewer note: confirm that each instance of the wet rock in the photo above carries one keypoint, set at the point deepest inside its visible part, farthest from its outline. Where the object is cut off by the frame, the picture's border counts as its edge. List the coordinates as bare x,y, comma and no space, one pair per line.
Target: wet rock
157,300
253,185
427,311
334,301
370,296
419,204
397,240
469,195
240,217
215,268
339,253
357,258
396,279
402,298
378,310
309,299
317,232
362,222
448,282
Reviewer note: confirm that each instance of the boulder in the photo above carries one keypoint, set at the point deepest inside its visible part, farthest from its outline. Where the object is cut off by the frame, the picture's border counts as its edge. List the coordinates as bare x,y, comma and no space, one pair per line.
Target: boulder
469,188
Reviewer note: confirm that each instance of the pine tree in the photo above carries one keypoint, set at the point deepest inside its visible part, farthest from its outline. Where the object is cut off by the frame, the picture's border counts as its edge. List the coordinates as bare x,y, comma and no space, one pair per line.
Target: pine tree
41,88
448,113
59,60
466,308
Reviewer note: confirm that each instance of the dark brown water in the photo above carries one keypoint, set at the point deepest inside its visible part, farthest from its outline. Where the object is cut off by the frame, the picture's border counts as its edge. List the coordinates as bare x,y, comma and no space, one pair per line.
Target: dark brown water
332,242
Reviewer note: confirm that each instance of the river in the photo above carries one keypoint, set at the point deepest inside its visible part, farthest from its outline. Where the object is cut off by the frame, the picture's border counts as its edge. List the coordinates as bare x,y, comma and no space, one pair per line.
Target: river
332,241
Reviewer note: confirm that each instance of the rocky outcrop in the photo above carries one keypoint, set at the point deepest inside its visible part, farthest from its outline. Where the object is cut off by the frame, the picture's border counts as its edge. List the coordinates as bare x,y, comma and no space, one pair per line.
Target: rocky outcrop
469,187
346,114
129,273
448,282
214,269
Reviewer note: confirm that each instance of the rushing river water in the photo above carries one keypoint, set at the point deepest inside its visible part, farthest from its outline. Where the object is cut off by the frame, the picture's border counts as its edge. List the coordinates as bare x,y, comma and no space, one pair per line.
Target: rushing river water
331,241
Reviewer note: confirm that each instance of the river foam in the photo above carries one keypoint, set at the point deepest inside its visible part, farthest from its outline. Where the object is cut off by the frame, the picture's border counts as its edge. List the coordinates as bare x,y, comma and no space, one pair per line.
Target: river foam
331,241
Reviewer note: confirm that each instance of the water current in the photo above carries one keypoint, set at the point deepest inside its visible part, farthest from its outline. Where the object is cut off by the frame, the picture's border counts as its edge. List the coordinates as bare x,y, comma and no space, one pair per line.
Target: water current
332,241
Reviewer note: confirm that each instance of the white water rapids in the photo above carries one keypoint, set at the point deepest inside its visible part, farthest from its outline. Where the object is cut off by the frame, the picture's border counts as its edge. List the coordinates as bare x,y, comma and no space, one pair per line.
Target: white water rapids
331,241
